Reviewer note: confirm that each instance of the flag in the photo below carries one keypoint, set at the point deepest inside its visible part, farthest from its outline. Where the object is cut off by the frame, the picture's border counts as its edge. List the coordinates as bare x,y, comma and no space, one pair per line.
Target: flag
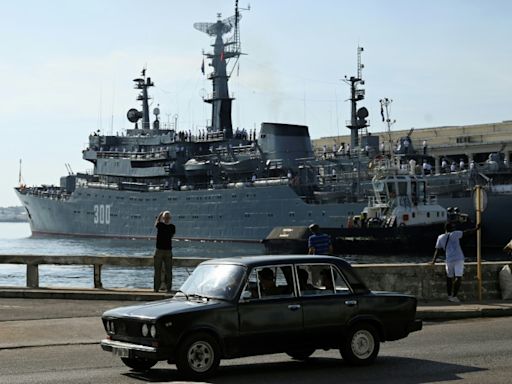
202,66
382,113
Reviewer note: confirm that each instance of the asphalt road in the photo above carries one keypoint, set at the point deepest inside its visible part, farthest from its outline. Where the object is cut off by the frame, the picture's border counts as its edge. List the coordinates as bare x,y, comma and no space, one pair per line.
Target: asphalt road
66,351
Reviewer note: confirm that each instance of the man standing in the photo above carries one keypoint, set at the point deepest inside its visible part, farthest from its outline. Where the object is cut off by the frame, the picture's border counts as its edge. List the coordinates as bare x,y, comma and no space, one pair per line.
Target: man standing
450,243
163,252
318,243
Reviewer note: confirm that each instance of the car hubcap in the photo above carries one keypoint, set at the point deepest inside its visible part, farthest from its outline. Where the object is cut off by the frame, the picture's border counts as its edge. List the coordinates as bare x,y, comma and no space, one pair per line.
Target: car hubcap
363,344
200,356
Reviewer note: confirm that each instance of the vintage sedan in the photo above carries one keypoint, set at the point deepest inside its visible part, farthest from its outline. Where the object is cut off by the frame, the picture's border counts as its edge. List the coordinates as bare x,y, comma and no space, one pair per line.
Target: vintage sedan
236,307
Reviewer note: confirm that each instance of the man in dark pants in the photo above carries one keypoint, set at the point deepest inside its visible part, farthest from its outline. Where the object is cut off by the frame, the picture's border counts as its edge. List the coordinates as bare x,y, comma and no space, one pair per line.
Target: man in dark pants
163,252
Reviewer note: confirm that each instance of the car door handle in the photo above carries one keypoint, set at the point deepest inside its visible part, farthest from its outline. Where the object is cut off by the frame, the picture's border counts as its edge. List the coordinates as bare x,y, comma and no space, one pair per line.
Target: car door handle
294,307
350,303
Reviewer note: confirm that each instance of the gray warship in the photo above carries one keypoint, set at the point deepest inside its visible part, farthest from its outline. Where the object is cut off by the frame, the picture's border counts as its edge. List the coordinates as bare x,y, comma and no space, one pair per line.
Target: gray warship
221,183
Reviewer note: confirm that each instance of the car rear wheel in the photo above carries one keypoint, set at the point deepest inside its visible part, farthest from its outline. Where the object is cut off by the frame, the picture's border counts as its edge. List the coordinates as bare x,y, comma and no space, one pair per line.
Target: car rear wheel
198,356
301,354
361,345
138,363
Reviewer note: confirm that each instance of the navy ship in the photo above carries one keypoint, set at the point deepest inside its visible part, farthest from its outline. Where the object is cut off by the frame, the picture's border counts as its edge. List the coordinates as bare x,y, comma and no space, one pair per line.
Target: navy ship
221,183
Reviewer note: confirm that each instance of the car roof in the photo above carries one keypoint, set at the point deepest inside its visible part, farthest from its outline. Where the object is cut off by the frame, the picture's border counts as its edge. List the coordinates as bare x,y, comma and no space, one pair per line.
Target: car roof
255,261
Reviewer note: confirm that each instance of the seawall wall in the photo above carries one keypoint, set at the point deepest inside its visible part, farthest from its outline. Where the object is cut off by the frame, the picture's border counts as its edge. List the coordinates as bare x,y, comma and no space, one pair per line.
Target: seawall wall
428,282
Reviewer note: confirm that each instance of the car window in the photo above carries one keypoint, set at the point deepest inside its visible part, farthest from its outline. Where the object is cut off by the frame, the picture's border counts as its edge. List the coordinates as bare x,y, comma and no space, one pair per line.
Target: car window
320,279
269,282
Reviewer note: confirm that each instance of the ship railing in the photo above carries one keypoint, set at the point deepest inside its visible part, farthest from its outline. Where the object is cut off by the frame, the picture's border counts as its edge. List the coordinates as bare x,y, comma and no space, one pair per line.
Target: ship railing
95,184
34,261
132,155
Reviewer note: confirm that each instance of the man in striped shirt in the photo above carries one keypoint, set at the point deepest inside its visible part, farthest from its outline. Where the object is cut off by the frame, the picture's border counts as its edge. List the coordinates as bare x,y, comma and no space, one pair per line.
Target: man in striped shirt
319,243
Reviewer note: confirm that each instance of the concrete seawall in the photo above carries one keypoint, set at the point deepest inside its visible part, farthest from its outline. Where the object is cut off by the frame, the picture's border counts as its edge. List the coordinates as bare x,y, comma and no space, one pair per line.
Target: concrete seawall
428,282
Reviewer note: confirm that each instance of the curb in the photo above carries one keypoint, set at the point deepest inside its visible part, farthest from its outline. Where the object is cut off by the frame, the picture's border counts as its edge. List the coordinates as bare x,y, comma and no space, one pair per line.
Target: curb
82,294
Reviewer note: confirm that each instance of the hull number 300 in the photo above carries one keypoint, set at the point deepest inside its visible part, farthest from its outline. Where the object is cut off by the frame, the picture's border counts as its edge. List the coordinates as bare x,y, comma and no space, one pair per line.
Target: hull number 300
101,213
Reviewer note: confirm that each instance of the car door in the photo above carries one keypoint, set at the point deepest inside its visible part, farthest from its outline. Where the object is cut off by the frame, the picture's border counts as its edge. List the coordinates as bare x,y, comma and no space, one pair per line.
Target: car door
272,321
327,304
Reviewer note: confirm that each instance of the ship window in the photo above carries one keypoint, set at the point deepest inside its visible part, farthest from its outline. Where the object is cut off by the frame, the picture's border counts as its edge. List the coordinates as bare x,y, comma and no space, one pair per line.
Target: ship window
188,198
442,214
292,214
247,214
437,213
414,214
323,213
310,214
270,214
233,195
428,214
402,189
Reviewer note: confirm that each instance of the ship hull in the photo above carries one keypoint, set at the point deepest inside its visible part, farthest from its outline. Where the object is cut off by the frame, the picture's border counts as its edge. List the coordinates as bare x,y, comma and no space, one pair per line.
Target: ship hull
240,214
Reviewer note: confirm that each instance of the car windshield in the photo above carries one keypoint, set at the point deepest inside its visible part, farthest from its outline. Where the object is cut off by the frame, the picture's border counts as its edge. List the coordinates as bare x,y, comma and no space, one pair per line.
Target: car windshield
220,281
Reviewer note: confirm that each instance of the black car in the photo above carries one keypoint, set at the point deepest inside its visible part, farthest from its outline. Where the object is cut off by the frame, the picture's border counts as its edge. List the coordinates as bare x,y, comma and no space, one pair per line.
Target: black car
246,306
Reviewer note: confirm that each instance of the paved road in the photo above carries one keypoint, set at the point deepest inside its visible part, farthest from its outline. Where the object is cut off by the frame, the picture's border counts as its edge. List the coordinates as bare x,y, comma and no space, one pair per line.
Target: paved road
478,351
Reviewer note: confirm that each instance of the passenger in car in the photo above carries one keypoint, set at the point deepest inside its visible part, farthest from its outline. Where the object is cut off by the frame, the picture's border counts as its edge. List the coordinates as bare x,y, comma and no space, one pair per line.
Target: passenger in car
268,284
326,280
305,287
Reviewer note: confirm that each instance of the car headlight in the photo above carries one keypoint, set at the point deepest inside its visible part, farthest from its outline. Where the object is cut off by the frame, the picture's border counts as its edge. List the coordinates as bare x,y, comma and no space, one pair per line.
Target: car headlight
145,330
153,331
110,326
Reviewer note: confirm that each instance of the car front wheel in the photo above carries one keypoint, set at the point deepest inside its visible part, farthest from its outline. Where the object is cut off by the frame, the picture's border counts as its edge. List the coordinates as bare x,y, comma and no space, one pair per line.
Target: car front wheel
198,356
361,345
138,363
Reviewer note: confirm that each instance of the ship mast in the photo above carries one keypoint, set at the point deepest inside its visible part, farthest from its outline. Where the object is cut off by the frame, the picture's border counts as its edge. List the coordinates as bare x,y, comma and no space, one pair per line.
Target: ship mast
385,107
357,116
223,51
134,115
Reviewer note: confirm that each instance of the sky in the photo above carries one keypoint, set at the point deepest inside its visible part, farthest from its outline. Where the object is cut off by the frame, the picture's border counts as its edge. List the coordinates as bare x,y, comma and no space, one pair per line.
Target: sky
68,67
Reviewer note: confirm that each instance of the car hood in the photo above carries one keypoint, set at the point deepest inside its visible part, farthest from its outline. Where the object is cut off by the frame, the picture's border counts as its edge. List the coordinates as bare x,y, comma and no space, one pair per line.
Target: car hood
156,309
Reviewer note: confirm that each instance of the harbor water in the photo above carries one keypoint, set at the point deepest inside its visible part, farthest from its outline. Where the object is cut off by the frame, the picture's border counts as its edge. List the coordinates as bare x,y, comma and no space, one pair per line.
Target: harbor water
16,239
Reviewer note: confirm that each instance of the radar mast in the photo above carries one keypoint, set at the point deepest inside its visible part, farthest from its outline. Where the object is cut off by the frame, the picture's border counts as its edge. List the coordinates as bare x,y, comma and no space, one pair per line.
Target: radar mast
223,52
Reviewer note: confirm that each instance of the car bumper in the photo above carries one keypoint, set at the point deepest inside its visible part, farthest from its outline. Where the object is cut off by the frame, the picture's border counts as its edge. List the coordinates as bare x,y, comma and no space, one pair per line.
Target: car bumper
416,325
129,350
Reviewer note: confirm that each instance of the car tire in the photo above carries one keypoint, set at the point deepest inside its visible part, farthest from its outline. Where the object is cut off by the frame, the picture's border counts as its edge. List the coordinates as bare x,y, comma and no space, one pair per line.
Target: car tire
361,345
301,354
198,356
138,364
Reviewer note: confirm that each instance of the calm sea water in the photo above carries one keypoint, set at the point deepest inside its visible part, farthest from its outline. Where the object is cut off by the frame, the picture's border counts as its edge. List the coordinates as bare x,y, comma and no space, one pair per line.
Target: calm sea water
15,238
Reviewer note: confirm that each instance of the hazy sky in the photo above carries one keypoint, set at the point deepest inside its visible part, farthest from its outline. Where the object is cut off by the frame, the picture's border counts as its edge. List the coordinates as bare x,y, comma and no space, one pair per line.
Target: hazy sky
67,68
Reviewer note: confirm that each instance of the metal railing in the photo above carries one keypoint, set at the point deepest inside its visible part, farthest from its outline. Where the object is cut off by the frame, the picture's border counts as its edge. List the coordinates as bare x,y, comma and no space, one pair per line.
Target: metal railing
33,261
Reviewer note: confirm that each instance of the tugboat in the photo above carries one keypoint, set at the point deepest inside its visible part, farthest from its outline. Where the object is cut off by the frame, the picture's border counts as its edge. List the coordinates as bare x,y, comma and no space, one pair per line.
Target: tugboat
401,216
